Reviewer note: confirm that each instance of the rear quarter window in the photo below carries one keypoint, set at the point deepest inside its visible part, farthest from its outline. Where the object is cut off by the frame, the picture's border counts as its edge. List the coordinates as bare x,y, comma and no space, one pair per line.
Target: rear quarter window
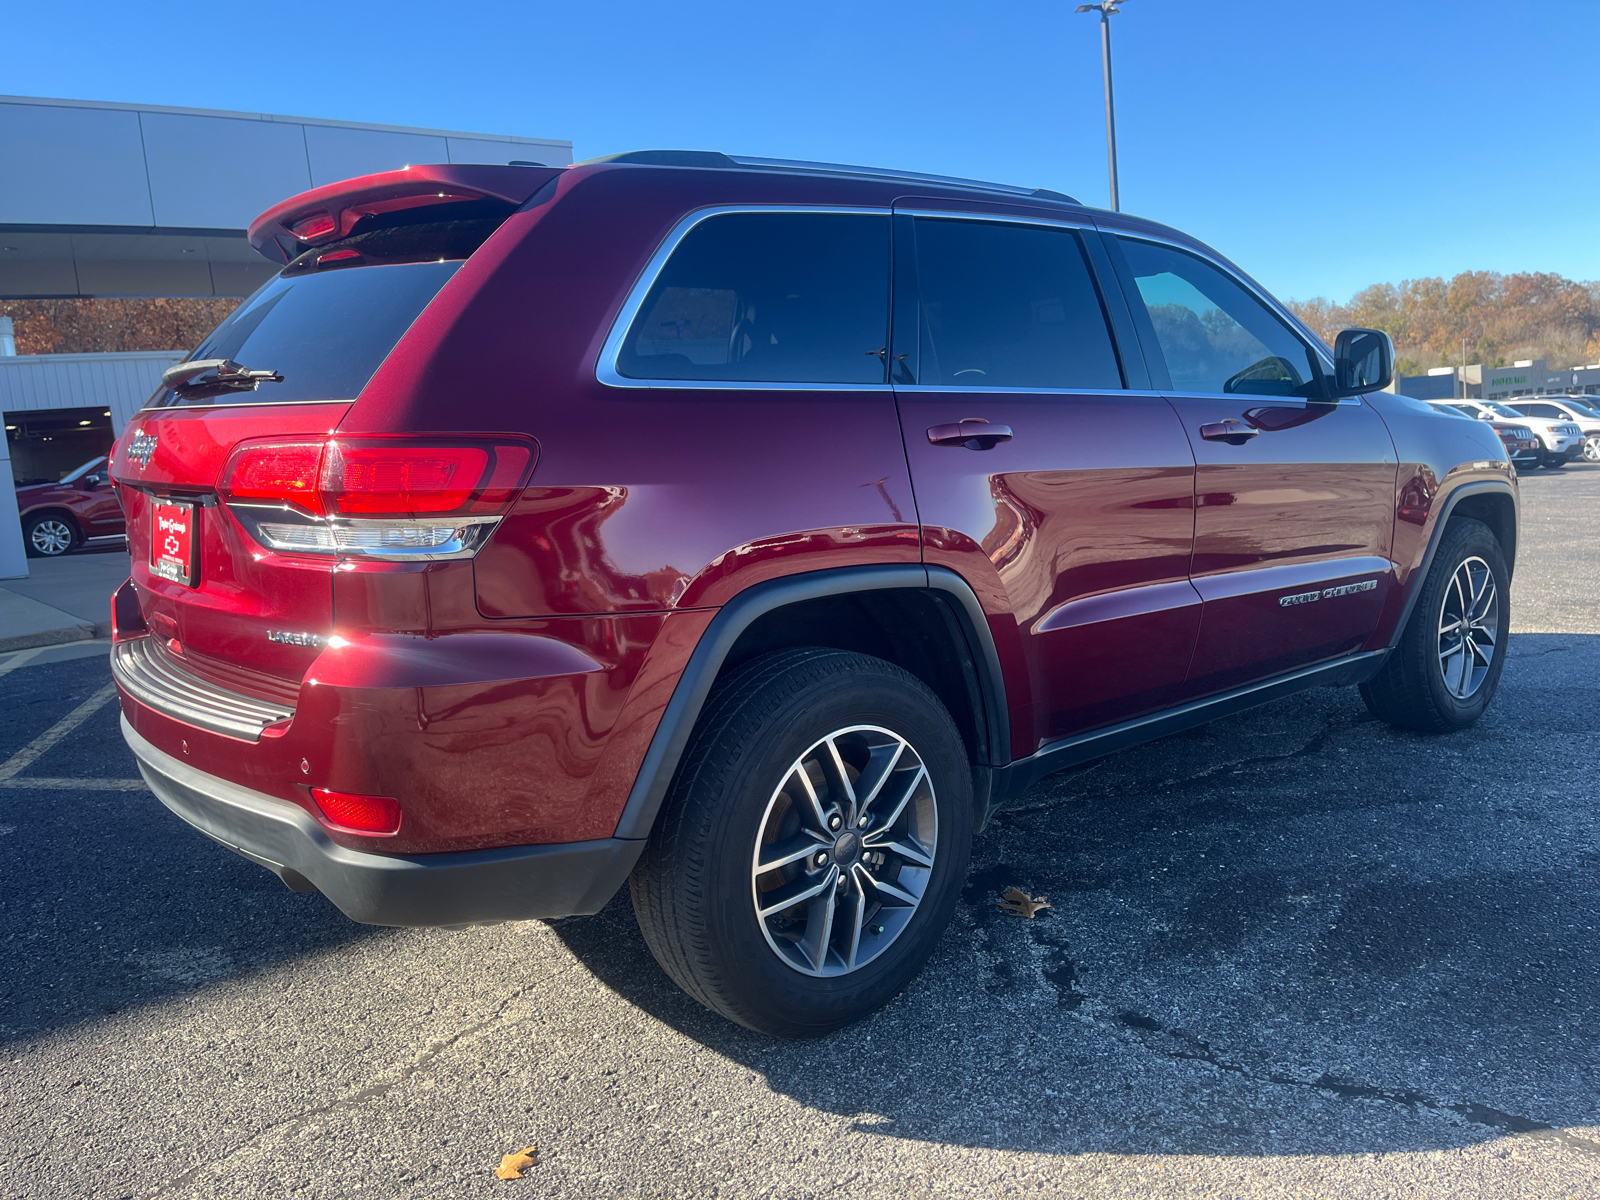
325,332
797,298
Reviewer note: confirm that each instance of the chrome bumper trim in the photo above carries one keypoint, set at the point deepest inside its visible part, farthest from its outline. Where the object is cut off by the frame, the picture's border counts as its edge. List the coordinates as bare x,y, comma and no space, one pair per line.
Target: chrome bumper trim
159,682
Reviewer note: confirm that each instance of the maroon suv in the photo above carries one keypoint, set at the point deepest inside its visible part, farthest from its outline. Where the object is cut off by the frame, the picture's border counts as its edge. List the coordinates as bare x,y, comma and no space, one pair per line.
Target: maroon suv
56,517
749,531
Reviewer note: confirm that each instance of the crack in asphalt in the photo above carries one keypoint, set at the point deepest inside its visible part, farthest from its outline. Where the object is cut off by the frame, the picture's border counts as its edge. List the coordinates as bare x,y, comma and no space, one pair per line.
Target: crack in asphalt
371,1091
1199,1050
1061,973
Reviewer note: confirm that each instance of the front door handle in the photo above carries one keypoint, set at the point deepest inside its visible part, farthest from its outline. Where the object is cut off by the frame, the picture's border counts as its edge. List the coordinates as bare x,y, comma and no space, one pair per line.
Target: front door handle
973,433
1235,433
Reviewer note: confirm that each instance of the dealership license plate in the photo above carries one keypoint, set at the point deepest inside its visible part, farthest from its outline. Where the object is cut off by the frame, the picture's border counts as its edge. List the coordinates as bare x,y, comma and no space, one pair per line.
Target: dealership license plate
174,541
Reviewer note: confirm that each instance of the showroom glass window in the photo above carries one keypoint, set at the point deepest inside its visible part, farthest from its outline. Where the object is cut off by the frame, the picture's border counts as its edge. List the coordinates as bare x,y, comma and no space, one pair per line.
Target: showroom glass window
1216,336
1005,305
768,297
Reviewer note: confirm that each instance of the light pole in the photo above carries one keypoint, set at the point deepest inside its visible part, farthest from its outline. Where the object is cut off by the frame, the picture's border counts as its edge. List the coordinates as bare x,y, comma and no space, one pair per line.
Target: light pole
1108,9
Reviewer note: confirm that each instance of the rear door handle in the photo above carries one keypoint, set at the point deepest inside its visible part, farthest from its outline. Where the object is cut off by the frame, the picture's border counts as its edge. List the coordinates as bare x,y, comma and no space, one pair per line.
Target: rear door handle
973,433
1235,433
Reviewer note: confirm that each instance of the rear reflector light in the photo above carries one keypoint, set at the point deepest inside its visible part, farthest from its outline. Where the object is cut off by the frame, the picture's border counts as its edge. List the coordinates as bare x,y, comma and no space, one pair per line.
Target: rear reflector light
375,816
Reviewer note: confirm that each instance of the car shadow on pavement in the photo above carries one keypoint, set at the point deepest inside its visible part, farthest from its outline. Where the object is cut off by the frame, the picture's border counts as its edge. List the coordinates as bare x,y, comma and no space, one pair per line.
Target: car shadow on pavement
106,901
1292,931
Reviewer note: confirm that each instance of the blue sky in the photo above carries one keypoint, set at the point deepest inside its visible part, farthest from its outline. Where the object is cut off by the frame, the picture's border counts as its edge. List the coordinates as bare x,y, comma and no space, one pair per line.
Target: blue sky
1323,145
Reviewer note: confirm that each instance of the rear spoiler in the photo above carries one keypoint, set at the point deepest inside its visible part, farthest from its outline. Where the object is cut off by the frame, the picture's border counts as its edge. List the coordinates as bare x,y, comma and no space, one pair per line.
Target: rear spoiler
328,213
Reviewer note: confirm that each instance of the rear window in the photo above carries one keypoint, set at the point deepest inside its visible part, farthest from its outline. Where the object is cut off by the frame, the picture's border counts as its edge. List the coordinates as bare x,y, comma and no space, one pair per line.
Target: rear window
325,332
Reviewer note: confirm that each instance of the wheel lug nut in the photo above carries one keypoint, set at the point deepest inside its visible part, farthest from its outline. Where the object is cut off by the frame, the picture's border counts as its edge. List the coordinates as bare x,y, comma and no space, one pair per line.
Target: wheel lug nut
833,822
822,860
863,822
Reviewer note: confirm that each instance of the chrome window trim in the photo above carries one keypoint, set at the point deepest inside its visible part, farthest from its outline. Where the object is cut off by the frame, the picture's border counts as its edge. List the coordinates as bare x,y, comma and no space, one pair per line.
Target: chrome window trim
605,370
965,214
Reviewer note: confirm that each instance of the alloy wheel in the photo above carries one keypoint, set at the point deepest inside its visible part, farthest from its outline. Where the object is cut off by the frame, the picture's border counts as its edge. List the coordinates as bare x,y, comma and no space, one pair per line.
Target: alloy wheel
51,536
1591,448
1469,627
845,851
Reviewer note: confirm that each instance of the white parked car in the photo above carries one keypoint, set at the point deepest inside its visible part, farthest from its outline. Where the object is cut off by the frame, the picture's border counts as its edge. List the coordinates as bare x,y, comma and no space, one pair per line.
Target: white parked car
1559,441
1522,446
1580,410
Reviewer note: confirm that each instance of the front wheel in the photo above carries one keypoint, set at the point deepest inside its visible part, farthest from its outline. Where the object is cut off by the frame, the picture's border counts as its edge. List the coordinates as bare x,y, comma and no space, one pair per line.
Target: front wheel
813,844
1591,448
1444,671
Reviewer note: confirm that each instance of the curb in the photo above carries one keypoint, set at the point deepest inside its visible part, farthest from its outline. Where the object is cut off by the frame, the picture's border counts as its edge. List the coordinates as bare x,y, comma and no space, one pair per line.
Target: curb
60,636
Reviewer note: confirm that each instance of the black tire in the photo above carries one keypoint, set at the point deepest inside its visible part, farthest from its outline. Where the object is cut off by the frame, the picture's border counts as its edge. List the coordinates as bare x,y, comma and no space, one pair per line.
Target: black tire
693,890
1552,461
40,538
1411,691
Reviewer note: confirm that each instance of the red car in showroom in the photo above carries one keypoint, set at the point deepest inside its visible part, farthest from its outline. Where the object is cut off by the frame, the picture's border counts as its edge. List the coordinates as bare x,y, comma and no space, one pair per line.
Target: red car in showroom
60,516
747,532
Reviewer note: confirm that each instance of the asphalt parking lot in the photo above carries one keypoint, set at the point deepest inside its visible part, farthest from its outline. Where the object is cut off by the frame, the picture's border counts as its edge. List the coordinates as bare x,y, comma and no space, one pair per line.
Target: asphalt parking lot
1293,953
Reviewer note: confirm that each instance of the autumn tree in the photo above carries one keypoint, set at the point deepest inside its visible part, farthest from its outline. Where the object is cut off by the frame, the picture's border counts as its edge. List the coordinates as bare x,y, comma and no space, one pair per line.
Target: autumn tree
1502,318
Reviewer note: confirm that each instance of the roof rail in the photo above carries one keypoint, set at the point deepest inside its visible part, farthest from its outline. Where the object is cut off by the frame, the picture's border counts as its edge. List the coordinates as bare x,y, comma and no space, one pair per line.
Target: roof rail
794,166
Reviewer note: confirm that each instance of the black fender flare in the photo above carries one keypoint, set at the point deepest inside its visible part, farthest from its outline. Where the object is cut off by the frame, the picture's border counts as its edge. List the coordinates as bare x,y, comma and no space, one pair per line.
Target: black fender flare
1480,488
672,735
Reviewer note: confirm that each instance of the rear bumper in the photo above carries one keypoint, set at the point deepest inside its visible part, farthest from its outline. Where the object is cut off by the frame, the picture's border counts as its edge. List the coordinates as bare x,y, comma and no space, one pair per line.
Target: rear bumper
472,887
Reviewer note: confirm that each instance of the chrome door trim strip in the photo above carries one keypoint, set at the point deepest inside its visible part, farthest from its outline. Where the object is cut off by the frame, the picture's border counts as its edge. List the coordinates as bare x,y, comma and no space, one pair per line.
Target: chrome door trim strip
605,370
1253,581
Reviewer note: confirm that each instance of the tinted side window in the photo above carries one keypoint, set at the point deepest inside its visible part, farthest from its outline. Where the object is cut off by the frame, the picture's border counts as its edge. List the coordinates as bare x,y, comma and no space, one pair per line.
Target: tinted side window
1009,306
768,298
1538,410
1215,336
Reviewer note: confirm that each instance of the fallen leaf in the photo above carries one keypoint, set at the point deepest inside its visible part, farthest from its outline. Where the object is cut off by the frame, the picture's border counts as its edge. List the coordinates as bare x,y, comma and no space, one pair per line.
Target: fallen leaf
512,1165
1019,904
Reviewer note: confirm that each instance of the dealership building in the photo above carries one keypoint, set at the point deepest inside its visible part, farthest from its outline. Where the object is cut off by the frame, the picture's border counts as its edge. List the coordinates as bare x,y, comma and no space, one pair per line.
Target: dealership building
123,223
1527,377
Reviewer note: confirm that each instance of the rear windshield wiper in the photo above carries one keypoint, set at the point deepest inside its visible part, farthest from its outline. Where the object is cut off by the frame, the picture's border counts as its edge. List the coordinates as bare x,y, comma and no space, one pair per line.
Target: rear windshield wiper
214,377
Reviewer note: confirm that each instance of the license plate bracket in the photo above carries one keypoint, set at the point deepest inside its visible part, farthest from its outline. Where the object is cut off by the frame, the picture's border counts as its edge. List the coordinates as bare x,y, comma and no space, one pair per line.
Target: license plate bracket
175,541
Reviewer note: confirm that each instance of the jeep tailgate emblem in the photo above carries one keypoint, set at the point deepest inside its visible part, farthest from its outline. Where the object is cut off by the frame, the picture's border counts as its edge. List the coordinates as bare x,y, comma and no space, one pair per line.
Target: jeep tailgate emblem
141,448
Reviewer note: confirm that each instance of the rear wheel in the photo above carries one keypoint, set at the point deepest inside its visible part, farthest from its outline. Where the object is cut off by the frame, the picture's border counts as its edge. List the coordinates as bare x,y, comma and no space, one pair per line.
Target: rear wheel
48,535
1447,665
813,845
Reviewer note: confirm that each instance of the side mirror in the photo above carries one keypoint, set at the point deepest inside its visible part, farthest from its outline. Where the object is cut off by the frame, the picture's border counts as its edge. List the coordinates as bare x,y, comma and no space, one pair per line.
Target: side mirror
1363,361
90,482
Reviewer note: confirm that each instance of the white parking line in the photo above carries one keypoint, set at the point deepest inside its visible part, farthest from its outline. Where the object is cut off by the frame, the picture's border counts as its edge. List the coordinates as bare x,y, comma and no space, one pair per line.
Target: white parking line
28,782
29,754
20,658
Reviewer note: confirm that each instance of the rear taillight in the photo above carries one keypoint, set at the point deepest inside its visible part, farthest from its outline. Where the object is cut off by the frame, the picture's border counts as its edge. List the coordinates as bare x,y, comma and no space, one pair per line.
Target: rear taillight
389,498
281,472
375,816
